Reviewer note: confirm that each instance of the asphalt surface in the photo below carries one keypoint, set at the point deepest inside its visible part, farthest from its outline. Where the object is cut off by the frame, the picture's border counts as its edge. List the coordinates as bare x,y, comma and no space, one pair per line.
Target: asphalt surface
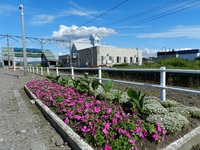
22,126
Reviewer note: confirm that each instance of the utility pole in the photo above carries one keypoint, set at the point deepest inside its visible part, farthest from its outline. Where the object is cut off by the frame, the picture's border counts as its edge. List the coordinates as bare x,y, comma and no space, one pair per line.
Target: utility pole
23,40
8,46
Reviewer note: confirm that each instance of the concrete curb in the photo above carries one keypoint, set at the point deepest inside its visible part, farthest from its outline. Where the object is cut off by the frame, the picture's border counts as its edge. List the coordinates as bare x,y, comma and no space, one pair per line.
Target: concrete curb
68,135
185,143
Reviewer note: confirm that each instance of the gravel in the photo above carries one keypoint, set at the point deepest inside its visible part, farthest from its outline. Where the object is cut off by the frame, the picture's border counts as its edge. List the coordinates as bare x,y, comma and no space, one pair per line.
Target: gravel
23,127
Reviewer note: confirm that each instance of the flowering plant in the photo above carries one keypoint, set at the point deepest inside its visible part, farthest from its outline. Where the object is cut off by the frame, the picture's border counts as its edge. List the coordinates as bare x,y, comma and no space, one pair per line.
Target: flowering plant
100,123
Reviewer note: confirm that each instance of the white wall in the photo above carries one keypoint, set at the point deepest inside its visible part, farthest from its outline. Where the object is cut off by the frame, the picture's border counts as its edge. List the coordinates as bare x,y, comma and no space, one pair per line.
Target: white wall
108,55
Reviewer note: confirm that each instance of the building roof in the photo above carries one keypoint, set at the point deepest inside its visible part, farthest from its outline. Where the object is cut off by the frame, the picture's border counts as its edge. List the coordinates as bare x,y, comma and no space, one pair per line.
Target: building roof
95,37
4,53
80,46
49,55
29,50
188,51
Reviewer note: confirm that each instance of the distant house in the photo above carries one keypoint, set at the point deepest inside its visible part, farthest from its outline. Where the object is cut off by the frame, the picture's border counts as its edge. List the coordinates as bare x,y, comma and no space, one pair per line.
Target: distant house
48,59
191,54
94,54
147,60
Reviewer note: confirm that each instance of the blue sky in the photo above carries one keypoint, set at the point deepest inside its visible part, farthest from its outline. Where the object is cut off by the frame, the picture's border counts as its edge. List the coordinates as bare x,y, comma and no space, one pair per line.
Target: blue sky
148,25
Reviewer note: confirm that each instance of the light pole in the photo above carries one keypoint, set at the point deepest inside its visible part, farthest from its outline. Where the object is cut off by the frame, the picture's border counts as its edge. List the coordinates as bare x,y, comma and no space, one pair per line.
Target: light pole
23,40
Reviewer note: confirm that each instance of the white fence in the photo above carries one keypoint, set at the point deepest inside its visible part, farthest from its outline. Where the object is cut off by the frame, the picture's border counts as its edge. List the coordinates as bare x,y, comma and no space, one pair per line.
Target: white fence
162,86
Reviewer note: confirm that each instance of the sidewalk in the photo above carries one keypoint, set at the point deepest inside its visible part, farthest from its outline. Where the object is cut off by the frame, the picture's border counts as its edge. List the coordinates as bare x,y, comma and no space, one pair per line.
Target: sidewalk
22,126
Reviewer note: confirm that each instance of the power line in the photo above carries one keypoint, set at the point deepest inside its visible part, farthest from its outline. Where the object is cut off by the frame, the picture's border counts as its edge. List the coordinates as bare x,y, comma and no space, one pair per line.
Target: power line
167,13
145,12
104,13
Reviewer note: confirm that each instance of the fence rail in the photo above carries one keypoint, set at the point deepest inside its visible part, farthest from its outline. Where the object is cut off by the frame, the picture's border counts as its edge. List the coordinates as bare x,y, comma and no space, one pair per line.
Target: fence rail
162,86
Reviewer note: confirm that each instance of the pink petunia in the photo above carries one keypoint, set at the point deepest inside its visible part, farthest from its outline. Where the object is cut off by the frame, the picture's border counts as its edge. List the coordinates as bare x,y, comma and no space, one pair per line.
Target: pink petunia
132,142
163,139
107,126
114,121
105,131
163,132
109,111
107,147
66,120
97,109
85,129
138,129
155,136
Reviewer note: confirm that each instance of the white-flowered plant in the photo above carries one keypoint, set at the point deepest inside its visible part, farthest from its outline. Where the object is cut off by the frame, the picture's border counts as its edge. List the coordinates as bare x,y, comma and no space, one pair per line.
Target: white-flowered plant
171,122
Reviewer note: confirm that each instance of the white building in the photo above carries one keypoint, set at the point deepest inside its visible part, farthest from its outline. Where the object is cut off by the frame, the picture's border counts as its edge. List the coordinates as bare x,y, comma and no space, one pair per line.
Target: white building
95,54
190,54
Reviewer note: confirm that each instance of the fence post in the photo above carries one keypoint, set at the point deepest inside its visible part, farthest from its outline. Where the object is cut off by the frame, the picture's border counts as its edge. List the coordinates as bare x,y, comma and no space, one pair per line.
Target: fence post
163,83
36,69
57,72
99,73
72,72
42,71
48,71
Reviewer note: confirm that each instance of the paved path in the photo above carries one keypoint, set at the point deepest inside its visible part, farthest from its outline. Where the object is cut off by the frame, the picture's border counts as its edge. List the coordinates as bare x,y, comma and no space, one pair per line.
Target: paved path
22,126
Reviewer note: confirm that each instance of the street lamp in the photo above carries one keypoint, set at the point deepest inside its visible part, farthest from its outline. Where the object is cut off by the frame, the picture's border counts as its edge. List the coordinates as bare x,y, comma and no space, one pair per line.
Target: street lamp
23,40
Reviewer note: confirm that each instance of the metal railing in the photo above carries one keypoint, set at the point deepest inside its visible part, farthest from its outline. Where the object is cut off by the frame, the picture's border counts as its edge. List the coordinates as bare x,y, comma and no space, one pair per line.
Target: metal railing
162,86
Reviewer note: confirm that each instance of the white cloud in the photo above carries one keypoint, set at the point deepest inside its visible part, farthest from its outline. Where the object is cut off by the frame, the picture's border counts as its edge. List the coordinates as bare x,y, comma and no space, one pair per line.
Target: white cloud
4,9
178,31
75,32
149,53
42,19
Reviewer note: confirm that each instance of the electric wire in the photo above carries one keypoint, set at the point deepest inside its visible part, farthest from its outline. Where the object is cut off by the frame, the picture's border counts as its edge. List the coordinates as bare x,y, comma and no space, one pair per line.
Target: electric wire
104,13
167,13
145,12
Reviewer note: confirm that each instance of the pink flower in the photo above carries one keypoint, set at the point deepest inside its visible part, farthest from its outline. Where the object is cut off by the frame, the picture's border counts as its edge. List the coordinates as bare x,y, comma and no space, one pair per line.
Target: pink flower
129,135
69,113
66,120
107,147
132,142
145,133
141,135
158,124
135,148
97,109
105,131
163,139
79,109
85,129
107,126
90,123
114,121
159,129
77,117
138,122
93,131
155,136
163,132
109,111
138,129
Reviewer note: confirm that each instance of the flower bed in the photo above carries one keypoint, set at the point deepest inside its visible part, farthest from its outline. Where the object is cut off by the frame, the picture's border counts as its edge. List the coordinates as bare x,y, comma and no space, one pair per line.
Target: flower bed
107,118
102,124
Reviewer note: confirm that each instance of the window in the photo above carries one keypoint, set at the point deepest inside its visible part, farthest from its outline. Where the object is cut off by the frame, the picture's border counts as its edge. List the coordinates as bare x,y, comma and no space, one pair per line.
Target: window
125,59
118,59
103,59
131,59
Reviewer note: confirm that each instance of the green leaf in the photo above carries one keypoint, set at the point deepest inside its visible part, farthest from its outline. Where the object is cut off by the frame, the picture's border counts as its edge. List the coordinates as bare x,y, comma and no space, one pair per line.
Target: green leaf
108,85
